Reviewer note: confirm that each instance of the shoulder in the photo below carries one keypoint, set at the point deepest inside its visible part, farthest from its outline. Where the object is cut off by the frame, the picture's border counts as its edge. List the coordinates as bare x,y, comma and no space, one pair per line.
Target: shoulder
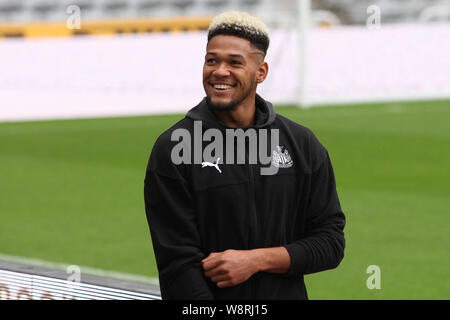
160,157
312,151
165,139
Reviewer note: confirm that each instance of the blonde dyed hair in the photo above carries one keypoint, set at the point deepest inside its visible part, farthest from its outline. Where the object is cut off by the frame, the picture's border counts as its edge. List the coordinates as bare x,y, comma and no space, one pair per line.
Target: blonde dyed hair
243,25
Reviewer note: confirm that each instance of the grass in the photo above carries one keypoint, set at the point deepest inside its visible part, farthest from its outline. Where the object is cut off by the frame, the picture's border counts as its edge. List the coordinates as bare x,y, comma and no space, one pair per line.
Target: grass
72,191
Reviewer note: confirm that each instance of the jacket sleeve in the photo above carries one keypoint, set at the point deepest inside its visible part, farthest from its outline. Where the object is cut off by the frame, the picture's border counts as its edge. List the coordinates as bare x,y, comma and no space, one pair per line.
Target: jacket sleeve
171,217
323,246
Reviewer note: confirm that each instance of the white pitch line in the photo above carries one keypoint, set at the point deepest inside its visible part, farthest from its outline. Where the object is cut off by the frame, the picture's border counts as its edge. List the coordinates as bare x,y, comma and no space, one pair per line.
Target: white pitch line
35,127
369,111
87,270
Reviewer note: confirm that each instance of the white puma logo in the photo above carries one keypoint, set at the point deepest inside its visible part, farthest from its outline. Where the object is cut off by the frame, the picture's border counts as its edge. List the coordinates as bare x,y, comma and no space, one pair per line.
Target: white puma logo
209,164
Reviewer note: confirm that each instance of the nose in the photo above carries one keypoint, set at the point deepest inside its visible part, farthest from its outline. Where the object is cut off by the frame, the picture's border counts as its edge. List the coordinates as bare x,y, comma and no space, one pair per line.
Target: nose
221,71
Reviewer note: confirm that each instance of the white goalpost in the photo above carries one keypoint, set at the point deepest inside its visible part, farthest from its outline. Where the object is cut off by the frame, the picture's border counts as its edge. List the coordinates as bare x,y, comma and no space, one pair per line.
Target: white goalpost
303,25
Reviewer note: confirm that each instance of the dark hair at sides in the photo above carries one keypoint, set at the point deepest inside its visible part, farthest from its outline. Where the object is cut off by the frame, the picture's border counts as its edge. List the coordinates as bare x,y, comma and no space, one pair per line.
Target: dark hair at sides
258,40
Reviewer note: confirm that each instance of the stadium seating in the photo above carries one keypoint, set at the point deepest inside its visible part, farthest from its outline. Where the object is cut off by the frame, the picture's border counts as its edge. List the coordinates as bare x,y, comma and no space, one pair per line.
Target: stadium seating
355,11
10,10
347,11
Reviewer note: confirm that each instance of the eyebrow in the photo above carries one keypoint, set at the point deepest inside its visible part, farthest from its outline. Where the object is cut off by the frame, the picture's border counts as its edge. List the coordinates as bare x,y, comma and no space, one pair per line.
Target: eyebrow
234,55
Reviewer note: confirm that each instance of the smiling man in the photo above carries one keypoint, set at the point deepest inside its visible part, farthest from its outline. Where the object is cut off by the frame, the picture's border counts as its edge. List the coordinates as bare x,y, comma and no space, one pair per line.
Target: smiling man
222,230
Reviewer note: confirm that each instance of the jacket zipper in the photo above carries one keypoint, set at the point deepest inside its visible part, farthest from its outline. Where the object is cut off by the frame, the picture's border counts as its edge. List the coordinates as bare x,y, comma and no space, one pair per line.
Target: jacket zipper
254,218
254,222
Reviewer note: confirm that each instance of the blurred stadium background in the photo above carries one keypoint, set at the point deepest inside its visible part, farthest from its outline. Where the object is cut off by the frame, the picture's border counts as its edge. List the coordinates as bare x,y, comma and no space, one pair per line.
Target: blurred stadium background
81,106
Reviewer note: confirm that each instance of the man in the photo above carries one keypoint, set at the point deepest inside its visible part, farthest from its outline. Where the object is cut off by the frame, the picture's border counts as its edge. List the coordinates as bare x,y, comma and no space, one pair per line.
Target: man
226,229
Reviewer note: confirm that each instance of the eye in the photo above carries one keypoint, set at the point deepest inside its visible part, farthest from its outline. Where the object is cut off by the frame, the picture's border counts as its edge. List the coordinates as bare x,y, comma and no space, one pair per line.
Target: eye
210,61
235,62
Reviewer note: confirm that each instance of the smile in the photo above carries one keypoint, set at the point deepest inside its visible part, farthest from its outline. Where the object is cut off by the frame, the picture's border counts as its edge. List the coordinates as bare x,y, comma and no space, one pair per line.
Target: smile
221,86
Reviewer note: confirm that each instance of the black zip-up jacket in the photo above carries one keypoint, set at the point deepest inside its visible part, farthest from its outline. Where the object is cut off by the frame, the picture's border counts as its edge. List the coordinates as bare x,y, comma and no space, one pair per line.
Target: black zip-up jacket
194,210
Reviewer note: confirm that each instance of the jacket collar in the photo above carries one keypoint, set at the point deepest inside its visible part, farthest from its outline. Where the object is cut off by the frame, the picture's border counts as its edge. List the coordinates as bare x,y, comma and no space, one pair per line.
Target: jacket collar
264,116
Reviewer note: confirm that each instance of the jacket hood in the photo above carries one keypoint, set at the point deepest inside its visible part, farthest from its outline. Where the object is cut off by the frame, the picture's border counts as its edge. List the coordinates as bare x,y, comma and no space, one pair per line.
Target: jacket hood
265,114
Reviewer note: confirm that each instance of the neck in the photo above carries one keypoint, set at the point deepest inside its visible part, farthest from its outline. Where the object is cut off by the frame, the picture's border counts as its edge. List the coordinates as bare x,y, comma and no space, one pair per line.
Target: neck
242,116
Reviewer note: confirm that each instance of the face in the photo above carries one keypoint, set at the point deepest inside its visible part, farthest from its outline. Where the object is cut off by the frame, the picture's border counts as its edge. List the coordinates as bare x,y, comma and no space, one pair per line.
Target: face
231,72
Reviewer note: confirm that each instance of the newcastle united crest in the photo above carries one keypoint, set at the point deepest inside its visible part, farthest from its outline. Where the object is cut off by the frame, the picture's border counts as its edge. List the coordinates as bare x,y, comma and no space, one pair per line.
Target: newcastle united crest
281,159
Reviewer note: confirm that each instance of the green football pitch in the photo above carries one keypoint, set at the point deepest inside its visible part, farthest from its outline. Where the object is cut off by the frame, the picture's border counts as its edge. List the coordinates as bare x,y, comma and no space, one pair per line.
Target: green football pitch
71,192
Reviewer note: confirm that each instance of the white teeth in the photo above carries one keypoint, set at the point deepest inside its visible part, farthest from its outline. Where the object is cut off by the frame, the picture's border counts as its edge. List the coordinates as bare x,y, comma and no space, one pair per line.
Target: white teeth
222,86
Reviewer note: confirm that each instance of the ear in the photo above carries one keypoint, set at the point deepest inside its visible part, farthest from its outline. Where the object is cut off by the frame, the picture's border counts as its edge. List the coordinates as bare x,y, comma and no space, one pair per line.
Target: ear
262,71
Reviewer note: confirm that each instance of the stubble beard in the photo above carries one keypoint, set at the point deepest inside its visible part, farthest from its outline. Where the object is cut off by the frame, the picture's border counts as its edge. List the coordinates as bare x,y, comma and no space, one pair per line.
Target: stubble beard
233,104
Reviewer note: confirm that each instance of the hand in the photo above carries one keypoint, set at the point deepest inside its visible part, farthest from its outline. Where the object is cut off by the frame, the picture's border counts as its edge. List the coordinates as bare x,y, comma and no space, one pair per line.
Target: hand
230,267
